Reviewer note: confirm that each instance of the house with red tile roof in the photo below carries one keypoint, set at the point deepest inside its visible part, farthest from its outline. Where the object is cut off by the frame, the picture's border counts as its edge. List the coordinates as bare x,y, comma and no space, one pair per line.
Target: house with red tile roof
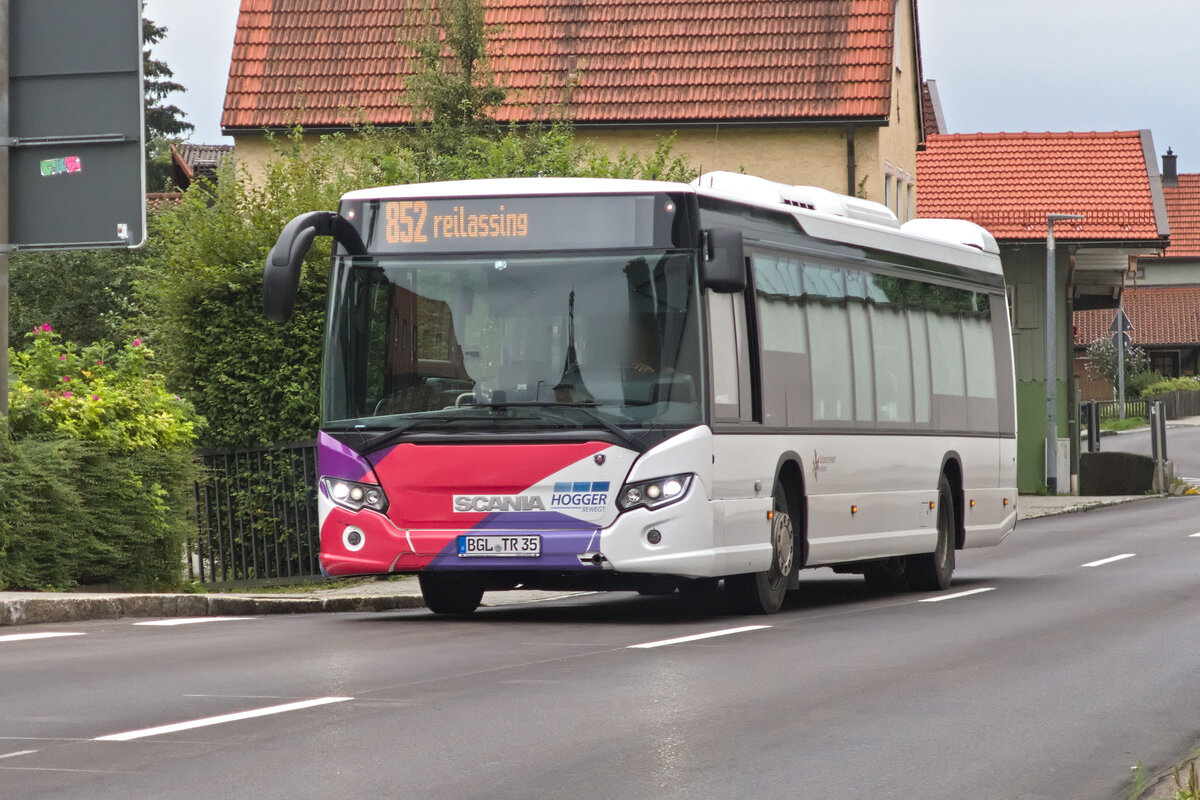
1166,324
1162,296
1009,183
801,91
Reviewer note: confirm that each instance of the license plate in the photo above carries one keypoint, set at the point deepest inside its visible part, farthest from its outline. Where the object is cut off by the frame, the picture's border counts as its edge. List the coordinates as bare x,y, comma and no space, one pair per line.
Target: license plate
503,546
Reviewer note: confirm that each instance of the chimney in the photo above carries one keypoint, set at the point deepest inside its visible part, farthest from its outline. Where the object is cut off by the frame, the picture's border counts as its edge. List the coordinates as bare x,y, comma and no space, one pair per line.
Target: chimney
1169,175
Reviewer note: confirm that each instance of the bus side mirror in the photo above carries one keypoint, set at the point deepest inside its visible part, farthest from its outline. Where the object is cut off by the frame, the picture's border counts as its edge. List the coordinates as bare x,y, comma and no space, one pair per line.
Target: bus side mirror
724,266
281,275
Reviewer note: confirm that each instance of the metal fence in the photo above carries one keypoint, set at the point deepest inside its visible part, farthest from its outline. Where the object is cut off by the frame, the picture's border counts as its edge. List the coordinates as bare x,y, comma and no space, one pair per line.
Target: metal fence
256,515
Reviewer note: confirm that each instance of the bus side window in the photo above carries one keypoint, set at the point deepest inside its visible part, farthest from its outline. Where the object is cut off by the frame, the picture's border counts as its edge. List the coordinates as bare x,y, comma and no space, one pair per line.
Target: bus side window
730,357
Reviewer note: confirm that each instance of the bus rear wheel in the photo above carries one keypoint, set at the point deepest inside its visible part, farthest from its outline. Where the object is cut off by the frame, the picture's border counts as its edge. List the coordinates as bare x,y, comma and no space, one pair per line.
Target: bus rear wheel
450,594
931,572
763,592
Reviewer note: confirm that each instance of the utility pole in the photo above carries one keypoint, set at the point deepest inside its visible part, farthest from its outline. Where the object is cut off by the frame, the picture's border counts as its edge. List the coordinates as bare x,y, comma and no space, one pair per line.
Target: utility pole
4,246
1052,354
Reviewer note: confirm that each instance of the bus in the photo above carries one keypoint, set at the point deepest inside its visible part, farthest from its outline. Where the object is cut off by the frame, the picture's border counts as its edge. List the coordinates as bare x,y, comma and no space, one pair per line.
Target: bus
596,384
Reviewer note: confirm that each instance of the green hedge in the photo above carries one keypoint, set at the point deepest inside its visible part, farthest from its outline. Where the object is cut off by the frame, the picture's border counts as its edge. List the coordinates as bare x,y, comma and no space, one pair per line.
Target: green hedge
96,468
1164,385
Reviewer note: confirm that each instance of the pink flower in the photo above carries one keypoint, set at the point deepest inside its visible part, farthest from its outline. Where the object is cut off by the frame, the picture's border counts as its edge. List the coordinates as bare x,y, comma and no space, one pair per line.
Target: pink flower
62,357
95,397
100,363
137,342
45,328
68,394
66,379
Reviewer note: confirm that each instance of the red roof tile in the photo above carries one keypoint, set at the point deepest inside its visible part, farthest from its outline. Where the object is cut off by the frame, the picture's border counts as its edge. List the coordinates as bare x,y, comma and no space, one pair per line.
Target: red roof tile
1008,182
1159,314
1183,212
312,61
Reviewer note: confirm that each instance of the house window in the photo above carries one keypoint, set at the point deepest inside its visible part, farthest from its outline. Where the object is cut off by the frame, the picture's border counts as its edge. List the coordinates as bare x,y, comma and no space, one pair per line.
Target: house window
888,171
1166,362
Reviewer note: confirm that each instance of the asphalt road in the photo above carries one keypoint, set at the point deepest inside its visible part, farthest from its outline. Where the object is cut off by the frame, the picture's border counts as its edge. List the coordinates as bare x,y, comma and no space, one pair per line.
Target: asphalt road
1049,684
1183,446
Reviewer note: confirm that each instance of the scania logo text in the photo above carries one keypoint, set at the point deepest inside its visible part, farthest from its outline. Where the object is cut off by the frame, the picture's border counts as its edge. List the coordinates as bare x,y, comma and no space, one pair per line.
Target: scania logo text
484,503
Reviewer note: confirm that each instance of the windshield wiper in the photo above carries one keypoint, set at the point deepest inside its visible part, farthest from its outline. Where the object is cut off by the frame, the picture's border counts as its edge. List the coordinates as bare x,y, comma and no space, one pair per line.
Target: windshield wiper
584,408
395,434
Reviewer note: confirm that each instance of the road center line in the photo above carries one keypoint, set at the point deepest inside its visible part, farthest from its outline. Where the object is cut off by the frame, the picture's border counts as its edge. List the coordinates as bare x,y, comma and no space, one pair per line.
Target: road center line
24,637
18,753
1194,536
1108,560
696,637
166,623
967,593
223,718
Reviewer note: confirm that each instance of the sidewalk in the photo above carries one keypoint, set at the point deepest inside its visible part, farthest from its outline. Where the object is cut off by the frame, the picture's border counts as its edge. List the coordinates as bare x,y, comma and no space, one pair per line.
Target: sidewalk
27,608
1032,506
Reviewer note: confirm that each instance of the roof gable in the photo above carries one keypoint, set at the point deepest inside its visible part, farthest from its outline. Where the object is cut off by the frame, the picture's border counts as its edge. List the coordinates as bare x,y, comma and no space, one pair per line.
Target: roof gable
1183,212
316,62
1009,182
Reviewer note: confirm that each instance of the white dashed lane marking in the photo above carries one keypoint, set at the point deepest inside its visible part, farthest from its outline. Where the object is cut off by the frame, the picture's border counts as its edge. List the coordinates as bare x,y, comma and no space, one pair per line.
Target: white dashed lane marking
205,722
1108,560
25,637
956,595
696,637
170,623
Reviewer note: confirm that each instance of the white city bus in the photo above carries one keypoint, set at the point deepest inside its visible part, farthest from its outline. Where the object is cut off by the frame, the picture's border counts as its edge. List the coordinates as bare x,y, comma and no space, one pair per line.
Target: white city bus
607,384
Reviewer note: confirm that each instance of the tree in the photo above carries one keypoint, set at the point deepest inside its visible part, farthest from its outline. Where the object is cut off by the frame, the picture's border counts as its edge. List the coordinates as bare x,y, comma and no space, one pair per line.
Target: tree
1102,360
165,123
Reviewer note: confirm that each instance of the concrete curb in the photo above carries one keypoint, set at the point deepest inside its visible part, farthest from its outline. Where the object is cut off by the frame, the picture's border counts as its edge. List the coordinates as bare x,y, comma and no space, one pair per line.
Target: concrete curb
1076,508
35,610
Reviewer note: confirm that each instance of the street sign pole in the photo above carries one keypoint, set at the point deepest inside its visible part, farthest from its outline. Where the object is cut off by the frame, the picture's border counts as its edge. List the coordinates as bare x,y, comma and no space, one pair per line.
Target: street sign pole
4,366
1120,328
1120,370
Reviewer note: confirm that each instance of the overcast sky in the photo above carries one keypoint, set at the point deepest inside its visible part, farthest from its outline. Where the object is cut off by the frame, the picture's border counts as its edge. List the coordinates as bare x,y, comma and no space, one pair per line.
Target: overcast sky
1012,65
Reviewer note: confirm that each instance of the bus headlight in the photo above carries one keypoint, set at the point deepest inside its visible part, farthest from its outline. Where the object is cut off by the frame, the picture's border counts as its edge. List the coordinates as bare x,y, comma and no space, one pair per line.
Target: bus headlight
354,495
655,493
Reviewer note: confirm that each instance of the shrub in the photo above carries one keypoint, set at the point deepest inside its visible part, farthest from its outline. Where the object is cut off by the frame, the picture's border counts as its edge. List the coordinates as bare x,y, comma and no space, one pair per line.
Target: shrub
1165,385
95,468
1136,384
1102,360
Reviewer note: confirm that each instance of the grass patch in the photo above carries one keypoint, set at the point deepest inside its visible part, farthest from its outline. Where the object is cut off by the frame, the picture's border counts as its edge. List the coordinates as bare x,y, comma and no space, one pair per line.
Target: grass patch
1123,424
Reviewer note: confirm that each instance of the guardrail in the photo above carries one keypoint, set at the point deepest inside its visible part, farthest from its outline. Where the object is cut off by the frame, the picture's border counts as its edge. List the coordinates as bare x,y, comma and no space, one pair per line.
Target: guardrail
256,516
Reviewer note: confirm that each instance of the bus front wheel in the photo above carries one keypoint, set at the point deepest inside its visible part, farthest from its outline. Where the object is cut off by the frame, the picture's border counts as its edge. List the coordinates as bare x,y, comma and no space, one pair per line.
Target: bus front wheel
931,572
763,592
450,594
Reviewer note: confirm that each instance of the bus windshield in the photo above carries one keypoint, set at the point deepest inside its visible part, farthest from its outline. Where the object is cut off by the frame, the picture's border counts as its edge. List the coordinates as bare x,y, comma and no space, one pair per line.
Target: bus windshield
497,342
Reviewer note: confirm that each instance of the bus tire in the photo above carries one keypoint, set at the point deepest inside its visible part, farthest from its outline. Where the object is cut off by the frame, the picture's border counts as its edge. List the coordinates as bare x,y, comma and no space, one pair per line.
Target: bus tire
931,572
450,594
763,592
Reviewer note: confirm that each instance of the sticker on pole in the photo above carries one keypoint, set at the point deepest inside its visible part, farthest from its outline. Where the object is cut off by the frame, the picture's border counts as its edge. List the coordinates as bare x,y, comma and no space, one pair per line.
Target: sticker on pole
61,166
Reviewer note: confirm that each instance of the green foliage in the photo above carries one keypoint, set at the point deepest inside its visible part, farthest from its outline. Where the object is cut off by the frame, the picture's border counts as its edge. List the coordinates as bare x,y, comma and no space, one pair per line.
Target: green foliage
95,468
1165,385
1187,783
89,293
1102,360
1136,384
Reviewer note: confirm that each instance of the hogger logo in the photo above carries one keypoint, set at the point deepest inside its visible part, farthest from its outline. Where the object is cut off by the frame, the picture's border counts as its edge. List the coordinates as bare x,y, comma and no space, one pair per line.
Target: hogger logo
580,496
483,503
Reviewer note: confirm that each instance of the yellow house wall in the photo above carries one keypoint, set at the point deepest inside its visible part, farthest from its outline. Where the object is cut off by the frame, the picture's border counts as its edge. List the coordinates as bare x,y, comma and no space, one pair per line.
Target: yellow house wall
898,140
814,156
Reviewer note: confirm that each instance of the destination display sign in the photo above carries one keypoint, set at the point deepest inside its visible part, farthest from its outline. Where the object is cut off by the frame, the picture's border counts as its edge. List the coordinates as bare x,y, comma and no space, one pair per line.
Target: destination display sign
491,224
